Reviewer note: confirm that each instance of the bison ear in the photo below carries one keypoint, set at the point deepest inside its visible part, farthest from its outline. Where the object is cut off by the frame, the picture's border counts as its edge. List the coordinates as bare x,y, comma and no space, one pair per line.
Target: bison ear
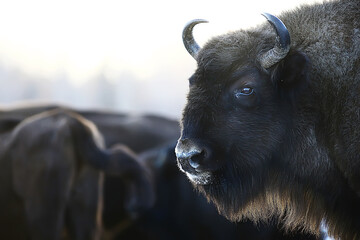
292,75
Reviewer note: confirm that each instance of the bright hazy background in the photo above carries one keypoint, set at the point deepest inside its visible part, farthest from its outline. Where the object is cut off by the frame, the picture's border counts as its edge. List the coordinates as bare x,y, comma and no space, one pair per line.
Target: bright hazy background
122,55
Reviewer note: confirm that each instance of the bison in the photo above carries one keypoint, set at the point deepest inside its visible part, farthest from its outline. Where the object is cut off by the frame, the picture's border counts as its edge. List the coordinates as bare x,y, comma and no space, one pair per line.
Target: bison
51,174
272,120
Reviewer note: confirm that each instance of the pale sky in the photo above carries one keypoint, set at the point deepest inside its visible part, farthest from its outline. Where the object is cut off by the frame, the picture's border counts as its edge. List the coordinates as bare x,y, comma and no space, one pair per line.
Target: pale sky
122,40
83,37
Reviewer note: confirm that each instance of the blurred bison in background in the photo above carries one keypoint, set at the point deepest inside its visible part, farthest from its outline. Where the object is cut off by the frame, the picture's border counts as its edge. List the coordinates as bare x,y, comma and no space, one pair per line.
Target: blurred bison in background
139,133
272,123
51,174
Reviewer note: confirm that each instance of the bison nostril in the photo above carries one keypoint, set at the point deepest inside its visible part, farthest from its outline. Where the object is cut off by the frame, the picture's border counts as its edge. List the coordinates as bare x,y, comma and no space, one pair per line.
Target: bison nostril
195,160
188,151
193,163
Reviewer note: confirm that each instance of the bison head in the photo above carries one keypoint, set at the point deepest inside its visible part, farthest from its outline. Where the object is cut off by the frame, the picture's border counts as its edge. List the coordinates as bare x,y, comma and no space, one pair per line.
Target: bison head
238,118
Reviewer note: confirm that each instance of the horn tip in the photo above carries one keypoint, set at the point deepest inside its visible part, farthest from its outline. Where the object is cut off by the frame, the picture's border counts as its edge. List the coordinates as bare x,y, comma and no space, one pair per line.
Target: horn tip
190,44
271,18
280,28
265,14
196,21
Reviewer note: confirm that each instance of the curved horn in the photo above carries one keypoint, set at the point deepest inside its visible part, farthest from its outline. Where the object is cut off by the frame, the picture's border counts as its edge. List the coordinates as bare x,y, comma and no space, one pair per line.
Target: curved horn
282,45
189,42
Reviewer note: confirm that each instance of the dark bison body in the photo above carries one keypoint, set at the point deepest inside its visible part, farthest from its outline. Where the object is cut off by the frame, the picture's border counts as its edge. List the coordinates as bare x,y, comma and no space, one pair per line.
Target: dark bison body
271,126
51,174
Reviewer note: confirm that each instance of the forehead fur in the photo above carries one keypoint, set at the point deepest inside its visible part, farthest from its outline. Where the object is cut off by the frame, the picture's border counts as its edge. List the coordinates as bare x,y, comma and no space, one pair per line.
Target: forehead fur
235,49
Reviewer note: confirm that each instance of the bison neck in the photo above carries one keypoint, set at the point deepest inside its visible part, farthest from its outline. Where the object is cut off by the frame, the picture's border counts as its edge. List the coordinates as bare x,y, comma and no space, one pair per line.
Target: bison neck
319,188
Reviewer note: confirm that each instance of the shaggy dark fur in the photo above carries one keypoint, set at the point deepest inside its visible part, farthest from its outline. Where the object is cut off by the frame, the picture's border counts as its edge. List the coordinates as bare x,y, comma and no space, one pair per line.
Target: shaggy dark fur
292,147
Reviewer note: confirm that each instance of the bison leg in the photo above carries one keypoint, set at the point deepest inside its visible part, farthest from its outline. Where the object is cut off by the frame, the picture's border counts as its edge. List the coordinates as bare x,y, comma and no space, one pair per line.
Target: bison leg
45,214
83,215
44,191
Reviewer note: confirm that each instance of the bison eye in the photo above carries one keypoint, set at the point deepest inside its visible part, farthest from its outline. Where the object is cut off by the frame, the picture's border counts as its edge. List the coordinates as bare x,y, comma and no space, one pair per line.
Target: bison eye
246,91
